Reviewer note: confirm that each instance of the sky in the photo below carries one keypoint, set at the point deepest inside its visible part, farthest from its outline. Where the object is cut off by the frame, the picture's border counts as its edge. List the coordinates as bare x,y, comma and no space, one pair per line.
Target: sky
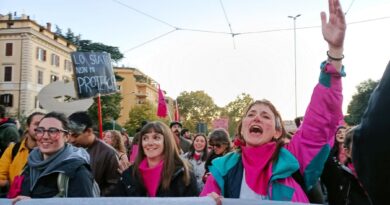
162,38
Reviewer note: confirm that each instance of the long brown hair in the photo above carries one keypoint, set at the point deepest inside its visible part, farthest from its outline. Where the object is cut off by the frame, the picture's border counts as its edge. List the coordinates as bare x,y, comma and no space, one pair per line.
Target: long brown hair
117,141
279,126
172,159
192,148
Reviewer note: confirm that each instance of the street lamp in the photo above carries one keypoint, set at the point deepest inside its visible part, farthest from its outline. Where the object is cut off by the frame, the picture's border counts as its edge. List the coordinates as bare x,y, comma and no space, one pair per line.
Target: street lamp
295,60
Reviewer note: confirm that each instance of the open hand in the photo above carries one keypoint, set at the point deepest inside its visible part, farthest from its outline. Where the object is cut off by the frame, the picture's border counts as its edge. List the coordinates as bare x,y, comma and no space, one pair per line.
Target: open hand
334,30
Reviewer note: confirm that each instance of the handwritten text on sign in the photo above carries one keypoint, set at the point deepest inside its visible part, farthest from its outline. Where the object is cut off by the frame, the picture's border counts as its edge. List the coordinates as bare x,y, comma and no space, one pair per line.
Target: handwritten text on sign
94,74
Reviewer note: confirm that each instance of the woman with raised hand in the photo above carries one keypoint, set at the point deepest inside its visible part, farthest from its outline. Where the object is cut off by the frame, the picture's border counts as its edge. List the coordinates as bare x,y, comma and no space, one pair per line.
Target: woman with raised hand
158,170
263,166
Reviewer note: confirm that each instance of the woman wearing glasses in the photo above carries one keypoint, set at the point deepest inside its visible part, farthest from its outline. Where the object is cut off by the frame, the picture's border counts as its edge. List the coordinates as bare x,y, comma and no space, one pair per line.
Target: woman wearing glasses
54,156
219,144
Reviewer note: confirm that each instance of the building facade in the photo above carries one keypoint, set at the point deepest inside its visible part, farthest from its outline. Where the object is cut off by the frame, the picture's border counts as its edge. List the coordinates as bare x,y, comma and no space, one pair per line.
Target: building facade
31,56
135,88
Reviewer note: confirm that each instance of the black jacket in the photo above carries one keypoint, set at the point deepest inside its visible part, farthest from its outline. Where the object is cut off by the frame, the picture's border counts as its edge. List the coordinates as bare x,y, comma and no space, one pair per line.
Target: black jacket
80,181
133,186
371,140
342,186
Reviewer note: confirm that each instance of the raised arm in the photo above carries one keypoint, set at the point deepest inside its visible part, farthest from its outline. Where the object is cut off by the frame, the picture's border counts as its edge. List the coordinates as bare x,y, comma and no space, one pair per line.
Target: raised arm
310,145
333,32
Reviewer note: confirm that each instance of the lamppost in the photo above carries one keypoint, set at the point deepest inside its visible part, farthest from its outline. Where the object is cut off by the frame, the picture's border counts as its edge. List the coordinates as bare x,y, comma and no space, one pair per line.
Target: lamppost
295,60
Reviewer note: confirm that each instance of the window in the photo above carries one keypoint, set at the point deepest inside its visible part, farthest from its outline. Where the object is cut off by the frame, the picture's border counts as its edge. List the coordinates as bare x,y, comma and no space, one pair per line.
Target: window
37,104
6,100
53,78
55,60
7,74
41,54
8,49
67,65
40,77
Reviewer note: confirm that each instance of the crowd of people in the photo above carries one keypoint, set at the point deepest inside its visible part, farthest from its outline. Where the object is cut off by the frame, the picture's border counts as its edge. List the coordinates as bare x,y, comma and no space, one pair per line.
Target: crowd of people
323,161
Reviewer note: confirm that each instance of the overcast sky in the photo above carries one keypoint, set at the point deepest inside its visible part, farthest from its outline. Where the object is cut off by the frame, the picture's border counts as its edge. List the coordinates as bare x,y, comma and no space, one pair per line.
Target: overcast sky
259,63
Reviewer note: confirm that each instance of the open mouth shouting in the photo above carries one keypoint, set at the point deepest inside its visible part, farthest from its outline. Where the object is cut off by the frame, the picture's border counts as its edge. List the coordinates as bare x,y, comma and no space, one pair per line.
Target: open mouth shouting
256,129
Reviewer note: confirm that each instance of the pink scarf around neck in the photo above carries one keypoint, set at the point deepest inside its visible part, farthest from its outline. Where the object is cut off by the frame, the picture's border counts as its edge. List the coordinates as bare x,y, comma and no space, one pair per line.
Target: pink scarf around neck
257,163
151,176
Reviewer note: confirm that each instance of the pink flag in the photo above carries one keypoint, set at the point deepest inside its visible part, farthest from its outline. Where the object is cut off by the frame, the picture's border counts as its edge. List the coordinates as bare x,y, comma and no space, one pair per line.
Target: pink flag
162,105
177,116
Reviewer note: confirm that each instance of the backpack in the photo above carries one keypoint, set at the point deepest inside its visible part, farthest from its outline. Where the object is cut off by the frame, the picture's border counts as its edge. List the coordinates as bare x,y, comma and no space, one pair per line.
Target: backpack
63,183
15,150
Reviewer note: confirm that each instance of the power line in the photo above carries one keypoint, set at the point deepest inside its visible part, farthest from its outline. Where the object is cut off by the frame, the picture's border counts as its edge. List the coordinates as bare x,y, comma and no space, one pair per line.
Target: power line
143,13
203,31
176,28
369,20
146,42
310,27
350,5
228,22
245,33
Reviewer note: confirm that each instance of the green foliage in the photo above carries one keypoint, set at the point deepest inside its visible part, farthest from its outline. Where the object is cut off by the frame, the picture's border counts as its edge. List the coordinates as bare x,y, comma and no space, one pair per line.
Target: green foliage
85,45
138,114
359,101
110,107
58,31
109,125
88,45
235,110
196,106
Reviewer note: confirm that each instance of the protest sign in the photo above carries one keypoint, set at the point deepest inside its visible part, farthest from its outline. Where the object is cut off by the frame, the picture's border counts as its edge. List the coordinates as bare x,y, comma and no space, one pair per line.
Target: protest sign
93,74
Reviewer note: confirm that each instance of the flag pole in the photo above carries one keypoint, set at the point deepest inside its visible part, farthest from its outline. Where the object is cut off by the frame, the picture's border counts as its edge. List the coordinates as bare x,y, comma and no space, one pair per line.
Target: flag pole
100,117
169,114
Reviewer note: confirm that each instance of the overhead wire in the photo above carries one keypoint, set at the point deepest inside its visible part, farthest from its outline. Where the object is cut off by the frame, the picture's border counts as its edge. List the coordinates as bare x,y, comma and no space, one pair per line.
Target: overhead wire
228,22
350,5
176,28
143,13
146,42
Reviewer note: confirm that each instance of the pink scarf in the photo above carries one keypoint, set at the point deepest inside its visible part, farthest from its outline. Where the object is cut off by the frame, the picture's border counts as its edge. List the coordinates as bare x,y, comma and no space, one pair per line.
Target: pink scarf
258,166
342,157
197,156
151,176
134,153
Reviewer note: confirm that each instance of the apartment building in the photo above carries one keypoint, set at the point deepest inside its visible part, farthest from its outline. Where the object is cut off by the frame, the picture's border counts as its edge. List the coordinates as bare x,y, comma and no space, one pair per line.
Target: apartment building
31,56
135,88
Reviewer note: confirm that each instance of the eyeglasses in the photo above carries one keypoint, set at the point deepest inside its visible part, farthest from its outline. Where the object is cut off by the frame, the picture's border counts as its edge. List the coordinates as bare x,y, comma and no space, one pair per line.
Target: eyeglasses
218,145
52,132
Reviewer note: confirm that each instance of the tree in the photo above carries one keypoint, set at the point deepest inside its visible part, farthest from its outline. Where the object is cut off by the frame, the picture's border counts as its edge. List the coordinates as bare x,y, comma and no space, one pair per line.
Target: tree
359,101
85,45
138,114
110,108
88,45
58,31
235,110
196,107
